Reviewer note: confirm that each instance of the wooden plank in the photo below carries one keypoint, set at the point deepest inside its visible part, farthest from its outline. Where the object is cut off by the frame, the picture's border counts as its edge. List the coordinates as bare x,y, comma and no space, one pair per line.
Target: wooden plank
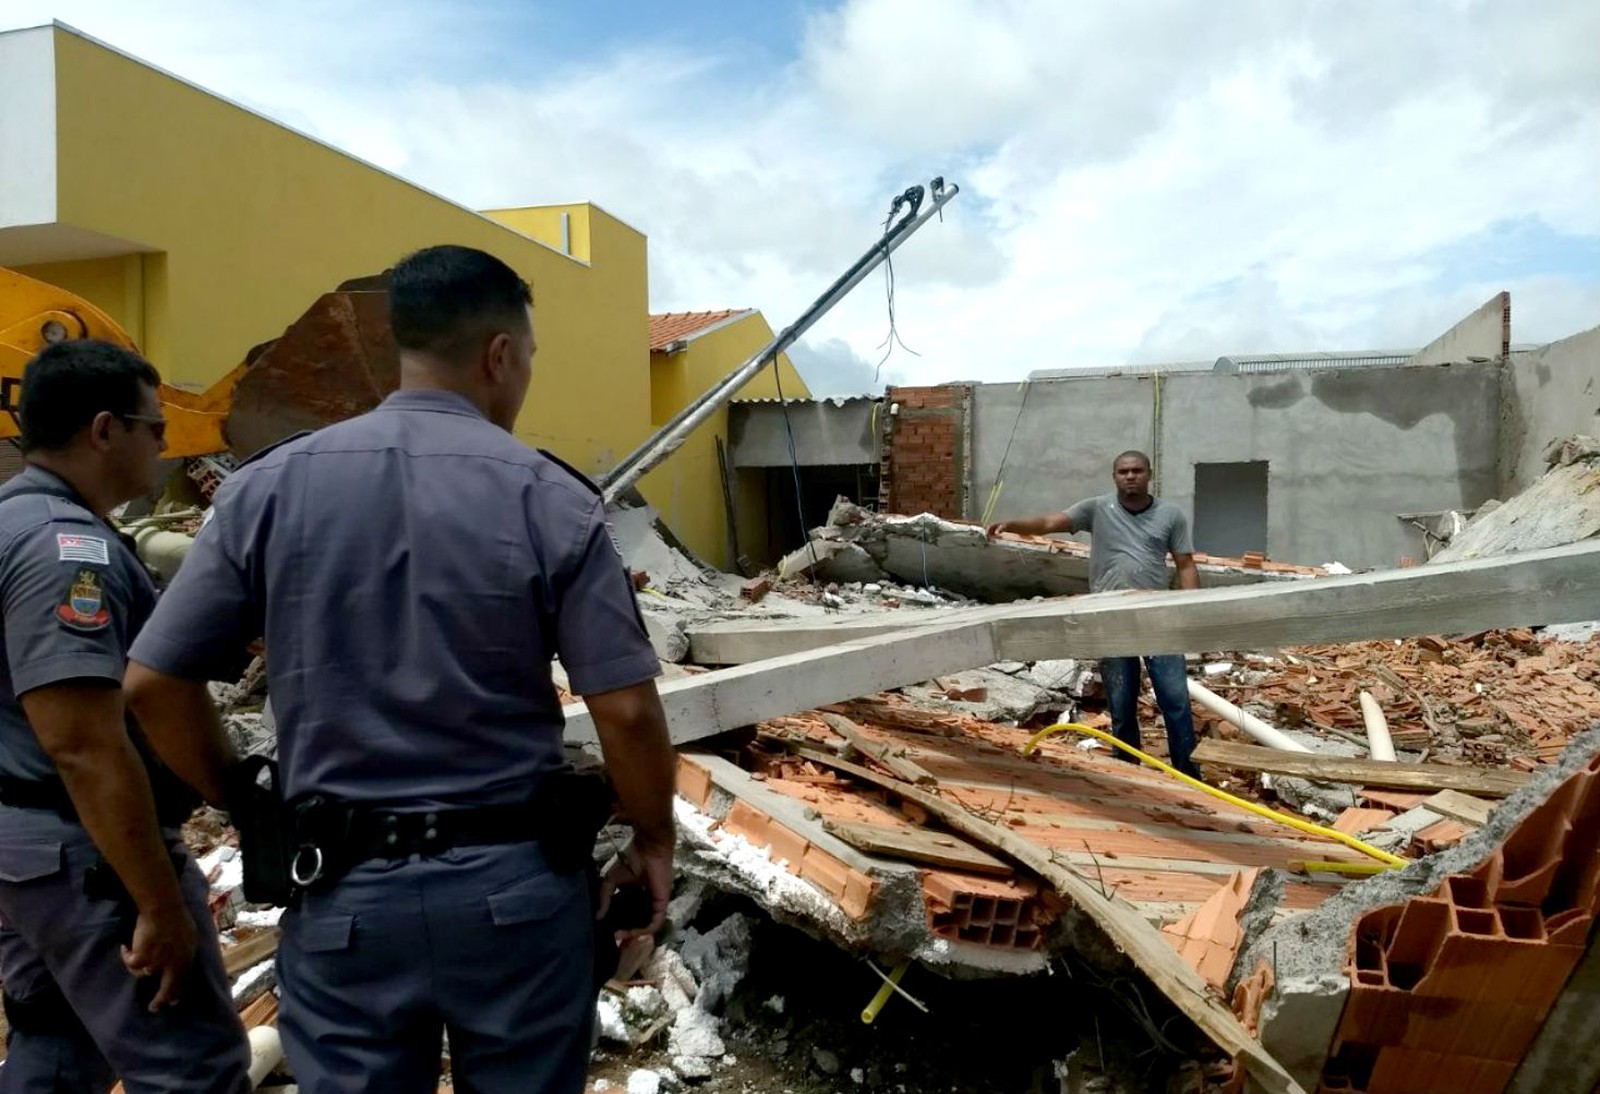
1459,807
918,845
1537,587
252,951
891,757
1122,922
1484,781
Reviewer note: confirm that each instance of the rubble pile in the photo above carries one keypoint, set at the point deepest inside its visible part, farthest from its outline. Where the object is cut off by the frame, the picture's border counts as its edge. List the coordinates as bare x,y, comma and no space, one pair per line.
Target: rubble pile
1561,508
1501,697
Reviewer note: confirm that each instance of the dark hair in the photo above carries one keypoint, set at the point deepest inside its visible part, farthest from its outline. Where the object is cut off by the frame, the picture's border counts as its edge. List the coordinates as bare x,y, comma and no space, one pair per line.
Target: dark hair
443,298
68,383
1132,454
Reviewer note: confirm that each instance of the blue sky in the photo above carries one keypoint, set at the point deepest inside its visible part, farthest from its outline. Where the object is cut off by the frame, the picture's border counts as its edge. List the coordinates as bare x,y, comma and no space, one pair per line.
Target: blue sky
1159,181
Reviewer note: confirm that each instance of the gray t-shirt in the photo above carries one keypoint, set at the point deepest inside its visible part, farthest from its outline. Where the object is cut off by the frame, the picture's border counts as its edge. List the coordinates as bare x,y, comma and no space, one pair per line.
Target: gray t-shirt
1129,550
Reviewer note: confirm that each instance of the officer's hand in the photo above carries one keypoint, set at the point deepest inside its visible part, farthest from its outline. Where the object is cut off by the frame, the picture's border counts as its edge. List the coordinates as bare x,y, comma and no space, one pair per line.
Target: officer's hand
653,870
163,945
995,529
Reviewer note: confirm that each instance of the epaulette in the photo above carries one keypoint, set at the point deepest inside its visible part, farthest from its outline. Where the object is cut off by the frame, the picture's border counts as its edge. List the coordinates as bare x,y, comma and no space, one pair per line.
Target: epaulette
274,446
569,469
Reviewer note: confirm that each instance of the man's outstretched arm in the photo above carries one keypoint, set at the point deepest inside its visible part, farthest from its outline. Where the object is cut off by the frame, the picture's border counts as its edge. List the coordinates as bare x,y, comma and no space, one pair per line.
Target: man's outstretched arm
1034,526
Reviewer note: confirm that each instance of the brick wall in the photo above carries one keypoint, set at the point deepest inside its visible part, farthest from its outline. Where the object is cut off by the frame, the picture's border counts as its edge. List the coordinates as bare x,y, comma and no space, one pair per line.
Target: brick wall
924,450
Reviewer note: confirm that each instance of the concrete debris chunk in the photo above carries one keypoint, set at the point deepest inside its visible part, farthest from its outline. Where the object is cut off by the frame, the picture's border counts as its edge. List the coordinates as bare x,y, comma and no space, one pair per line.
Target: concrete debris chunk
677,983
608,1014
644,1081
719,959
692,1068
695,1033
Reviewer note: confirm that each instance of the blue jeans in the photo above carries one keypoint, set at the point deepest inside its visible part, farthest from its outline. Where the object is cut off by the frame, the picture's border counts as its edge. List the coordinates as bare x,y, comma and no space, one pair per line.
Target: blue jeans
1169,680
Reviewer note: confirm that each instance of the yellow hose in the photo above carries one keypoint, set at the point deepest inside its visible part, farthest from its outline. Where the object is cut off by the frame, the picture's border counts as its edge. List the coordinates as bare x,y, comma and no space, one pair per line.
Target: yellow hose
1392,861
889,982
1354,869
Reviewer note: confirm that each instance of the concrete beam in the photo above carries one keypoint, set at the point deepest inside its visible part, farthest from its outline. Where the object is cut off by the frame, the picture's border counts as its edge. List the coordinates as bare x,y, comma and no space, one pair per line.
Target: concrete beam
1559,585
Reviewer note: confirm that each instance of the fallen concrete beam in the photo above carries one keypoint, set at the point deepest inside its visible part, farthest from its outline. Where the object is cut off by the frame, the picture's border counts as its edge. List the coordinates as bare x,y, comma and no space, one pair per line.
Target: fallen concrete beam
739,642
1553,586
1488,782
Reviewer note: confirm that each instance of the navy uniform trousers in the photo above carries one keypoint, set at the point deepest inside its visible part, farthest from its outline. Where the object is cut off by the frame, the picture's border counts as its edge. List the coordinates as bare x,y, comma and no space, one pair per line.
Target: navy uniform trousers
483,942
57,944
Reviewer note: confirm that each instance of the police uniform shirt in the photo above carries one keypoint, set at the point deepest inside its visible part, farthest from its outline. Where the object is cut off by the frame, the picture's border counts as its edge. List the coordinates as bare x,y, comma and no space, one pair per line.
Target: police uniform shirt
73,599
413,571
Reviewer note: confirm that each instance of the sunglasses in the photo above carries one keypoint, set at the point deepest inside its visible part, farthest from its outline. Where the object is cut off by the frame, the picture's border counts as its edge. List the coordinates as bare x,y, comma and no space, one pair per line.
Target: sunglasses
158,426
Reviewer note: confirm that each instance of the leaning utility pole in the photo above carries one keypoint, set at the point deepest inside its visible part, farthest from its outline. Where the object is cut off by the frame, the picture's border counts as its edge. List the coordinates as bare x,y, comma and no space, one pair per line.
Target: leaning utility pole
669,437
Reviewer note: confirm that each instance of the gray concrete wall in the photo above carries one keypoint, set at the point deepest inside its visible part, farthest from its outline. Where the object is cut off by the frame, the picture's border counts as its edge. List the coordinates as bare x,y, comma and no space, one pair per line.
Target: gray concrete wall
1483,335
1347,450
826,432
1549,394
1069,432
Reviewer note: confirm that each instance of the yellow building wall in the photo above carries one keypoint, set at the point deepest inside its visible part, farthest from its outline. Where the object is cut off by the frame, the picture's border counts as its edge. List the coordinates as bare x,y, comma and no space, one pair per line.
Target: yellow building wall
687,490
252,222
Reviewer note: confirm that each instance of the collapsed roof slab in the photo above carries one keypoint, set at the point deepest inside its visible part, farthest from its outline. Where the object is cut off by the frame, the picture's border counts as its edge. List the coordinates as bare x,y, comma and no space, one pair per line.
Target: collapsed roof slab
1538,587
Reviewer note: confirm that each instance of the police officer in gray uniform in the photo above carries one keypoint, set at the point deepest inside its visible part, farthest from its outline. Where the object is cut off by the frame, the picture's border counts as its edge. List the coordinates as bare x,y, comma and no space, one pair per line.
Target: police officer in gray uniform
414,570
108,954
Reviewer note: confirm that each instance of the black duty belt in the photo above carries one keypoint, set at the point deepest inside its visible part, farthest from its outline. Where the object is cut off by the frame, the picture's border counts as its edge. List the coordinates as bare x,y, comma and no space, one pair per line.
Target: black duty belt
377,834
46,794
325,837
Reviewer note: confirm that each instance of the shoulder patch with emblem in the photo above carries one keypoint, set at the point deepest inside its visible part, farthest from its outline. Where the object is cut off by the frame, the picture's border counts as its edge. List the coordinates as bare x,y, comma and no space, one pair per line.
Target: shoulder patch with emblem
84,606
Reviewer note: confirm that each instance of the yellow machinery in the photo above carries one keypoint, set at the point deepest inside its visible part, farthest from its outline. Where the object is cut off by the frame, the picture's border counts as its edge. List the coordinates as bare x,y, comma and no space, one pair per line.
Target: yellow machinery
334,362
34,314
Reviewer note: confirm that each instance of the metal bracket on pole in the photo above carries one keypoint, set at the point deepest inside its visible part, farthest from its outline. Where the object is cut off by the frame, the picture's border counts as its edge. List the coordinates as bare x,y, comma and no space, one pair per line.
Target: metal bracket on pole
671,436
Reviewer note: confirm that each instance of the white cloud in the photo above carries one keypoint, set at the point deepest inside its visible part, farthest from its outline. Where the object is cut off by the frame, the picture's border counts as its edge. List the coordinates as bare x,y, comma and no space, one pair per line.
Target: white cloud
1141,182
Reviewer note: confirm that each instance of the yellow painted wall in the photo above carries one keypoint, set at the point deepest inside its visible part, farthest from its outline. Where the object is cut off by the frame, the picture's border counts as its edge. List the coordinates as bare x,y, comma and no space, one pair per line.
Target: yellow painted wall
252,222
590,399
687,490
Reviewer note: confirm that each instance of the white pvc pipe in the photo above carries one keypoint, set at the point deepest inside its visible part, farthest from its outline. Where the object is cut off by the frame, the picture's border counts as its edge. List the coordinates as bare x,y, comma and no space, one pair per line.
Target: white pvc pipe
1379,743
266,1051
1255,727
161,550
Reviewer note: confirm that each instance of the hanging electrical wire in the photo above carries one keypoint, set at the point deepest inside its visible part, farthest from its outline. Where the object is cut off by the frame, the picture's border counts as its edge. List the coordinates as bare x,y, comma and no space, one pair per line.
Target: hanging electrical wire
794,467
892,339
999,475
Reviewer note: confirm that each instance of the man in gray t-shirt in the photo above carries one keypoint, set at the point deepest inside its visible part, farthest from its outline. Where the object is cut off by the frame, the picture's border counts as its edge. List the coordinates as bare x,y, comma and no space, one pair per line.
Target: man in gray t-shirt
1133,532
